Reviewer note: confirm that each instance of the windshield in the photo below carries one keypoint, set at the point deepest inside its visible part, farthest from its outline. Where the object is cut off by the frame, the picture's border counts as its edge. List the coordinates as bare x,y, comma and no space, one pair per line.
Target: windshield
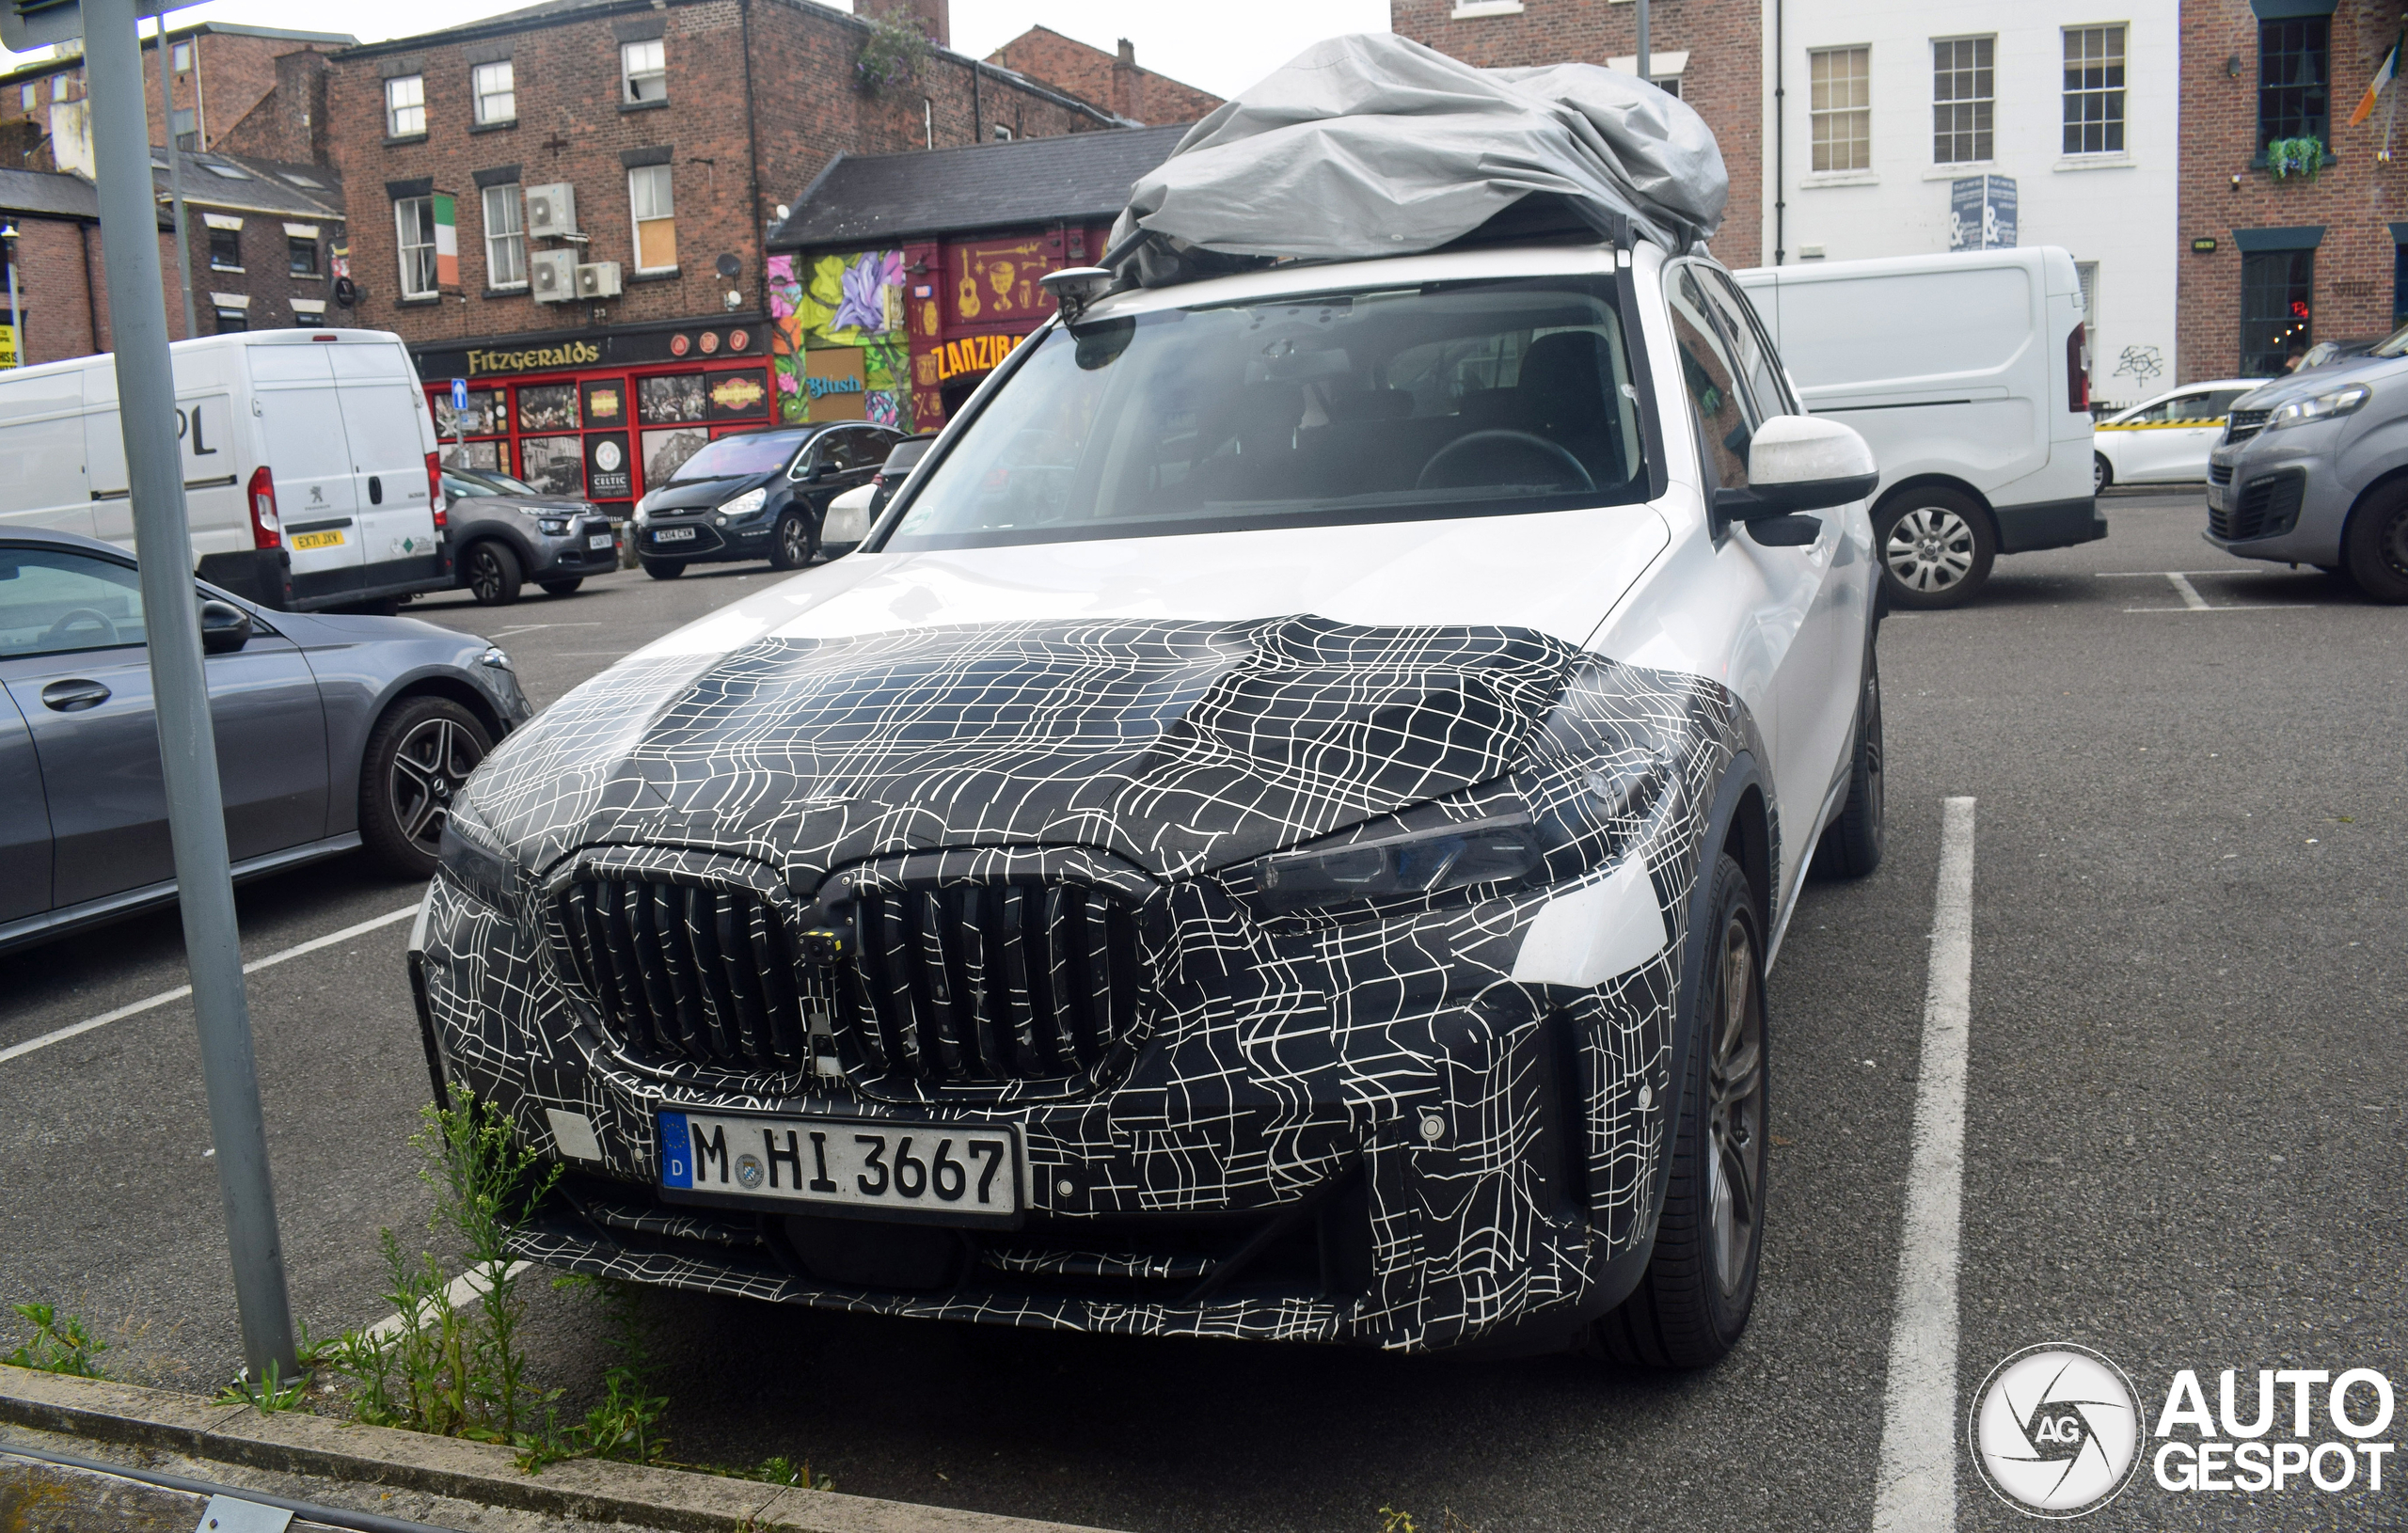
1446,399
740,457
2394,344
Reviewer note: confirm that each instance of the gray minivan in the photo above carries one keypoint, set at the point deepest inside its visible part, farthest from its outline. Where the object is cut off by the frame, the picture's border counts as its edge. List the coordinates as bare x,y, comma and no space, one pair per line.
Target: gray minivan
2313,469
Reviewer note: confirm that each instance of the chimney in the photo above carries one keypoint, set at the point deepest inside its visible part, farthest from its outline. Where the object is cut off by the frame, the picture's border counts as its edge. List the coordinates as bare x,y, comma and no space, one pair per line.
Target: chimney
932,17
1128,52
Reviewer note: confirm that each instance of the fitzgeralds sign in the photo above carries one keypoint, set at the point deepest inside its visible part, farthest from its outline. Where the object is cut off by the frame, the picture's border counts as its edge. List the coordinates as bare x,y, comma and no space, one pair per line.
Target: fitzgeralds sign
483,364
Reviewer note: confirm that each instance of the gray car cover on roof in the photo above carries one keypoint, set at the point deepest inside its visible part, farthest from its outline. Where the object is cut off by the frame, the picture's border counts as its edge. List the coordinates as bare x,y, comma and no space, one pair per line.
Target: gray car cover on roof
1372,145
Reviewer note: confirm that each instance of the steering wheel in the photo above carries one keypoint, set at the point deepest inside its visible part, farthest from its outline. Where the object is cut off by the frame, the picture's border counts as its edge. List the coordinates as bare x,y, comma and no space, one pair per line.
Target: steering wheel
1453,467
65,629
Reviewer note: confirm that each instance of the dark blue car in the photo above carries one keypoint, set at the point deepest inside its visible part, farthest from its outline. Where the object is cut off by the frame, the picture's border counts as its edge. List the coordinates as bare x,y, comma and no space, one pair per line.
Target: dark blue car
755,494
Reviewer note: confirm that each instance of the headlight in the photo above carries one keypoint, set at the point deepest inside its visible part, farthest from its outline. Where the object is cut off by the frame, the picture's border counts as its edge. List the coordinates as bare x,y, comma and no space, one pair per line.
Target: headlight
2329,406
553,526
480,869
1444,857
745,504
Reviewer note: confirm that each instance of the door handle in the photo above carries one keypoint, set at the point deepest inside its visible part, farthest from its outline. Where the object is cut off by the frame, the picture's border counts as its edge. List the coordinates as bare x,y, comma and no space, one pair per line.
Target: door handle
375,491
73,695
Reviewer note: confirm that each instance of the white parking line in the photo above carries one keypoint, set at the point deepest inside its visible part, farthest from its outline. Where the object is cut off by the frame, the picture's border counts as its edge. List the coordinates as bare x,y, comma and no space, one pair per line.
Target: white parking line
1917,1488
132,1008
2189,592
2192,600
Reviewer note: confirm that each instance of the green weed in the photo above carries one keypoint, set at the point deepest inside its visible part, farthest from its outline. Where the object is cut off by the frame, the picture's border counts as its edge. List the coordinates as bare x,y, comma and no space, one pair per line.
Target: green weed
56,1346
269,1395
1393,1521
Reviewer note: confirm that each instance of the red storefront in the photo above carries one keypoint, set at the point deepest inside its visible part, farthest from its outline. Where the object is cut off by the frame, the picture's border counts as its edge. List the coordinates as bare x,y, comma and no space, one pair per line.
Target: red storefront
972,301
599,414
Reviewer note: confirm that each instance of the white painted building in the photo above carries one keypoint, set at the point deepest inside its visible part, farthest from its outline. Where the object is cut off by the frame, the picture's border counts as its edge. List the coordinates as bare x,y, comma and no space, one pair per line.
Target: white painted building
1889,103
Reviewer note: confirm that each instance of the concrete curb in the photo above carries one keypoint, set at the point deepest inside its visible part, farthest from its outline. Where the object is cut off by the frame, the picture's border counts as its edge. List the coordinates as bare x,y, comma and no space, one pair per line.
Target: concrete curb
584,1489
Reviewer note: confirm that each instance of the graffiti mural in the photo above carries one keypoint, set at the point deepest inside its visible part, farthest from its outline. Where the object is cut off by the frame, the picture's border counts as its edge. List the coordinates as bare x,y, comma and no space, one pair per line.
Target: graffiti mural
2141,364
851,303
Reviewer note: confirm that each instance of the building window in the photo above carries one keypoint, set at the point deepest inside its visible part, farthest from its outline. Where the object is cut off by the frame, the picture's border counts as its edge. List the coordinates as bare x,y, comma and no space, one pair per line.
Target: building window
1841,107
404,106
2294,80
2094,90
231,320
28,93
1962,95
655,217
188,129
505,237
644,67
2277,295
301,257
413,229
181,56
496,91
224,250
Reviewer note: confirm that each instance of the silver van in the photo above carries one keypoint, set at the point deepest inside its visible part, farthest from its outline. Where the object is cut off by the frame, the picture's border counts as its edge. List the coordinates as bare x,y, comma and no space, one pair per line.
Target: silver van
2313,469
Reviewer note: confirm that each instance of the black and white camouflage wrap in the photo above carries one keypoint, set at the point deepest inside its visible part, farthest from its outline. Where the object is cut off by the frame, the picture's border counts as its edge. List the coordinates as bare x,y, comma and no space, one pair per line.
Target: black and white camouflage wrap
1379,1051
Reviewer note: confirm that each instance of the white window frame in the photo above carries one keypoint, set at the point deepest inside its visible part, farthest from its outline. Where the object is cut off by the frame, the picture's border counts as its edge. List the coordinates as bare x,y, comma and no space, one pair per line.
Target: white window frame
406,106
2119,95
643,63
491,83
1973,135
505,235
406,211
650,186
1861,149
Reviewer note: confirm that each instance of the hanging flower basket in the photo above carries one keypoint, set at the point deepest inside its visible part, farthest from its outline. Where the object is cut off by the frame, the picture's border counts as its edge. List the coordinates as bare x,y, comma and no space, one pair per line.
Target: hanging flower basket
2295,159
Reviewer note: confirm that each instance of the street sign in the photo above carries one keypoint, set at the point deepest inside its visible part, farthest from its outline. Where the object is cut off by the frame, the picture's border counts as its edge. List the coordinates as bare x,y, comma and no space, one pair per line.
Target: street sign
459,394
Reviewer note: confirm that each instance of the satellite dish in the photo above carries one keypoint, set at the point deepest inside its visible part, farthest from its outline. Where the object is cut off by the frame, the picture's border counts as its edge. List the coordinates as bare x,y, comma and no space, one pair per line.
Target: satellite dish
729,266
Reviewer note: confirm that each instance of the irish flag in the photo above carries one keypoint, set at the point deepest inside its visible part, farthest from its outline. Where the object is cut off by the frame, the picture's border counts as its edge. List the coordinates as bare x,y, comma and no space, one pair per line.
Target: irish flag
2382,77
447,242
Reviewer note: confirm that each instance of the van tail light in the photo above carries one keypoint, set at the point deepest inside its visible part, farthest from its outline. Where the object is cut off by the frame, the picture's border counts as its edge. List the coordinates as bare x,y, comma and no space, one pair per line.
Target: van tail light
434,492
267,528
2078,370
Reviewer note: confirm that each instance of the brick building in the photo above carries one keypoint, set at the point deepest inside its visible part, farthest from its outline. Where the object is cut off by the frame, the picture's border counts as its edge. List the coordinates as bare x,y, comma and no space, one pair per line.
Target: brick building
1112,81
565,206
1709,53
2269,266
220,73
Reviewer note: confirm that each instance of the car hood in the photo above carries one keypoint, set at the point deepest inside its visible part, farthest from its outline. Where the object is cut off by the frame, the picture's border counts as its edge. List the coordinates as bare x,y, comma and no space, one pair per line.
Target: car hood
476,505
678,495
2316,381
1183,702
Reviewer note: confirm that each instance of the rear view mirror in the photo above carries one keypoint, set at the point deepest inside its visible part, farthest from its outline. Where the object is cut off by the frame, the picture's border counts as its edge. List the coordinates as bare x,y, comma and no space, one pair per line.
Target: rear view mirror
223,627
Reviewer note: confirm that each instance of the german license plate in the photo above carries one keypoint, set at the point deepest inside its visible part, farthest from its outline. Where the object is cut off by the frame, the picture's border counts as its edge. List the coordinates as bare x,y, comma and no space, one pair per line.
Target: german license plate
673,534
948,1171
599,540
331,539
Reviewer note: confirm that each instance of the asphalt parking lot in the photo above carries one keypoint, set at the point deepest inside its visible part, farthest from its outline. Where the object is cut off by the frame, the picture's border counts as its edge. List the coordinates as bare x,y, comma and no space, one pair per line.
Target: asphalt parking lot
2182,1115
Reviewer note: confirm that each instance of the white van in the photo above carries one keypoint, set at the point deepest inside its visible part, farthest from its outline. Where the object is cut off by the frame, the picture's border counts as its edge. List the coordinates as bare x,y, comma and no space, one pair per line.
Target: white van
1969,374
310,471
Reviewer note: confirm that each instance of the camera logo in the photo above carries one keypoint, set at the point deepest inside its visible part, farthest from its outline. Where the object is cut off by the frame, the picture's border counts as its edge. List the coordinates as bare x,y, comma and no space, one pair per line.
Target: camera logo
2055,1430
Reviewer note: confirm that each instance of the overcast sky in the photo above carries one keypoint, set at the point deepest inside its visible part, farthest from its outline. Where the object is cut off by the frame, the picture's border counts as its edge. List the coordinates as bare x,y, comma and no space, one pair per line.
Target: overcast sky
1221,48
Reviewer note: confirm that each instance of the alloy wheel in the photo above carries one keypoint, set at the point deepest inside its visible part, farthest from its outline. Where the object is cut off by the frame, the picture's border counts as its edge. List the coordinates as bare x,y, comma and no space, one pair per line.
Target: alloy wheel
794,542
2392,543
429,764
1735,1127
484,576
1929,548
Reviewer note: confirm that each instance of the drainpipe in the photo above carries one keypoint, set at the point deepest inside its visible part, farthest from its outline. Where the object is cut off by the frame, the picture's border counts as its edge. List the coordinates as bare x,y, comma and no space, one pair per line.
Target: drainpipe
1644,73
1780,137
977,111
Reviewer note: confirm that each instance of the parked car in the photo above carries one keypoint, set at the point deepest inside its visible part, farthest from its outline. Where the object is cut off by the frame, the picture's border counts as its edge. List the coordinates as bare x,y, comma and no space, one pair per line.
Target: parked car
310,478
504,533
1969,374
2165,440
334,733
1280,835
2327,353
755,494
2313,469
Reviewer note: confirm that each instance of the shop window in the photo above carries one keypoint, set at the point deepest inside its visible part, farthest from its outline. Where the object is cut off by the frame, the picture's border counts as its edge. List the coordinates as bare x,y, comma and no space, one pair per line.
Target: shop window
404,106
666,450
224,250
548,407
2277,316
1841,107
1963,96
656,218
2094,97
495,88
484,416
505,237
301,257
414,230
644,69
2294,80
553,466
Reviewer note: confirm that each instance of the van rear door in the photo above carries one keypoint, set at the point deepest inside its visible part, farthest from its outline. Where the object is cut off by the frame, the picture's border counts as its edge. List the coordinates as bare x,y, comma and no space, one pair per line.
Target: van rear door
41,440
381,403
301,421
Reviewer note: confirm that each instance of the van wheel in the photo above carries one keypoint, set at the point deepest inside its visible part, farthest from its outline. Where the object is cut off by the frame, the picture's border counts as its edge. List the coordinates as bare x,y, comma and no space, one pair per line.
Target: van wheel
1937,547
663,569
562,588
2102,473
794,544
1693,1299
418,757
491,574
1851,844
2376,545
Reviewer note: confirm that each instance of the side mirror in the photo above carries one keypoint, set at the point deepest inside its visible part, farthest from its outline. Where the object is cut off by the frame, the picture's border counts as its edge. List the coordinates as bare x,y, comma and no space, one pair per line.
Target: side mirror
806,471
1801,462
223,627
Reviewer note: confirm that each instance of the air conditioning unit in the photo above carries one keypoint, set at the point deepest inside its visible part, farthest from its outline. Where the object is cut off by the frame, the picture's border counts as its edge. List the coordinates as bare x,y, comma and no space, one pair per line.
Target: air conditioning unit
598,279
551,210
551,276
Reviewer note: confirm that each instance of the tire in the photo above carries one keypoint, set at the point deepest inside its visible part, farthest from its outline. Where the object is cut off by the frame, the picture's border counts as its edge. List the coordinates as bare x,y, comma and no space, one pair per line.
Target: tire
1693,1299
2102,473
796,541
1851,844
418,756
2374,546
562,588
1935,548
663,569
491,572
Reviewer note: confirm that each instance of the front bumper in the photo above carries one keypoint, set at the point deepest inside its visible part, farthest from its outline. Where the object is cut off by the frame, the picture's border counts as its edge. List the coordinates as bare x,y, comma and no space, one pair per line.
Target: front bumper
2272,495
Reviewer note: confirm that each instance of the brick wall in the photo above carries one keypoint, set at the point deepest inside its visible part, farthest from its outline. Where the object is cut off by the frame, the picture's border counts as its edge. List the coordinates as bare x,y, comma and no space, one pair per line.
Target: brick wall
1724,82
63,283
1113,81
288,122
2355,199
267,275
237,74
